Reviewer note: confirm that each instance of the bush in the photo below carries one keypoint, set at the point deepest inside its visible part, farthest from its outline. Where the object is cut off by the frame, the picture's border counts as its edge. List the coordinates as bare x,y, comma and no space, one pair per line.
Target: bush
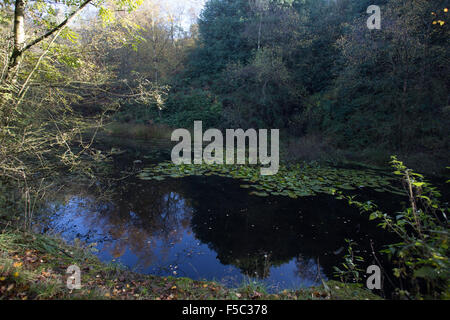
182,109
421,256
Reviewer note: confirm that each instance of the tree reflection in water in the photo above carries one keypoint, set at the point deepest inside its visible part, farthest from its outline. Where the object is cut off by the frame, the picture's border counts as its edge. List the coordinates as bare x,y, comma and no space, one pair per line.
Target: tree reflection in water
137,220
210,228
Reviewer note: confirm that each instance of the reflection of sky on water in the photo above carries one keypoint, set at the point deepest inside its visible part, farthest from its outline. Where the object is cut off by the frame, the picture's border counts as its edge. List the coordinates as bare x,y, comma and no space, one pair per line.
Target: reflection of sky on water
172,249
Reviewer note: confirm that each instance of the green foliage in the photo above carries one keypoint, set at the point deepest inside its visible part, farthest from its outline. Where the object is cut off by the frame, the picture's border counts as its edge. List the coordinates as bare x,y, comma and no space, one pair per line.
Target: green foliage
42,120
313,67
350,272
179,110
183,108
391,87
221,25
259,94
421,258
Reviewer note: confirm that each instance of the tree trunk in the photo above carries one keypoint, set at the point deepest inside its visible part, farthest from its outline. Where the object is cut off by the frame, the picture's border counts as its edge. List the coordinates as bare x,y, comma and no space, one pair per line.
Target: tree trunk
19,25
19,35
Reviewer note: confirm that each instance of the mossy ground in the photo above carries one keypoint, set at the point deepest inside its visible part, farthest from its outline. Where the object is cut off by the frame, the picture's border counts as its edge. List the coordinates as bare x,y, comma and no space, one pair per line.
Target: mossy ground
33,266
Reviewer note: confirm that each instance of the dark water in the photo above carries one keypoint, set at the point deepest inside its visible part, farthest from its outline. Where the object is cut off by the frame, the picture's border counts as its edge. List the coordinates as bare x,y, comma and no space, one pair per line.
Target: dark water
210,228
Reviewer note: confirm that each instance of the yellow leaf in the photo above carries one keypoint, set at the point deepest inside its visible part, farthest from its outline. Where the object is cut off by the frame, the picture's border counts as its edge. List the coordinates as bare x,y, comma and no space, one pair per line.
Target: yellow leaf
17,264
205,285
16,274
174,287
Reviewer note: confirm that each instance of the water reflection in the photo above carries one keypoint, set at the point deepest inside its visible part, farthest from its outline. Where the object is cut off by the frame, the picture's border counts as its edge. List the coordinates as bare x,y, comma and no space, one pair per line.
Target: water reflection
210,228
133,222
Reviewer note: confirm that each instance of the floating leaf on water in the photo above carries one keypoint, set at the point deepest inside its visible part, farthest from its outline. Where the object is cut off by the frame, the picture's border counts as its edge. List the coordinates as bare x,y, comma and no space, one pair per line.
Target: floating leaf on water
300,180
259,194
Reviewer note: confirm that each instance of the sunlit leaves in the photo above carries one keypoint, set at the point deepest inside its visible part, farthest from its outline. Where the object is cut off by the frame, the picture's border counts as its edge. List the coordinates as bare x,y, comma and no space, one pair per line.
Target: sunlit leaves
70,35
107,15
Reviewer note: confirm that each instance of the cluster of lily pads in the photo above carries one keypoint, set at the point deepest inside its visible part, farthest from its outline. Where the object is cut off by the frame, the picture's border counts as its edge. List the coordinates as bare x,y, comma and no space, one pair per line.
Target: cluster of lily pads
300,180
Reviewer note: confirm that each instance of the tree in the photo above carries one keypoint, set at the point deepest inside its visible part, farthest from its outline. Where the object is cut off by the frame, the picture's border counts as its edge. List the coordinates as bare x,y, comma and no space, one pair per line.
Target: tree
393,86
221,41
44,82
19,46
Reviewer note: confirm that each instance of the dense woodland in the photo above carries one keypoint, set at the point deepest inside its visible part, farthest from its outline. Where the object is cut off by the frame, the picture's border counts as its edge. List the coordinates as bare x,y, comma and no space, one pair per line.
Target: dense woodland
74,69
314,70
310,68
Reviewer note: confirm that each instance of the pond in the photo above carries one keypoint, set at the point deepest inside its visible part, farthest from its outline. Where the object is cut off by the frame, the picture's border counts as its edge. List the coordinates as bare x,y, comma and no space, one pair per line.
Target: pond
210,228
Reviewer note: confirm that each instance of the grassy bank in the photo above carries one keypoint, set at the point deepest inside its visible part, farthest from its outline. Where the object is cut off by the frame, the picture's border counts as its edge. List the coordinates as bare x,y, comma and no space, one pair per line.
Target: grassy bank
33,266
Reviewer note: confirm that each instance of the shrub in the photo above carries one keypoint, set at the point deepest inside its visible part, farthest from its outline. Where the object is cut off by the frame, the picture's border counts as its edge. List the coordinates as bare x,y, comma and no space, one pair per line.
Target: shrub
421,256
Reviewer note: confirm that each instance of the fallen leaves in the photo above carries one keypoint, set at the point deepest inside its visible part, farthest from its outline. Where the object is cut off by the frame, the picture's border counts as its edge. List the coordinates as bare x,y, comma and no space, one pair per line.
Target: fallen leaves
318,294
256,295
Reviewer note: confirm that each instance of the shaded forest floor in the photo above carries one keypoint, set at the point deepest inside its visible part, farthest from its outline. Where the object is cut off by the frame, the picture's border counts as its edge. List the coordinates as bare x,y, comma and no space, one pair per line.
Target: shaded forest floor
33,266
